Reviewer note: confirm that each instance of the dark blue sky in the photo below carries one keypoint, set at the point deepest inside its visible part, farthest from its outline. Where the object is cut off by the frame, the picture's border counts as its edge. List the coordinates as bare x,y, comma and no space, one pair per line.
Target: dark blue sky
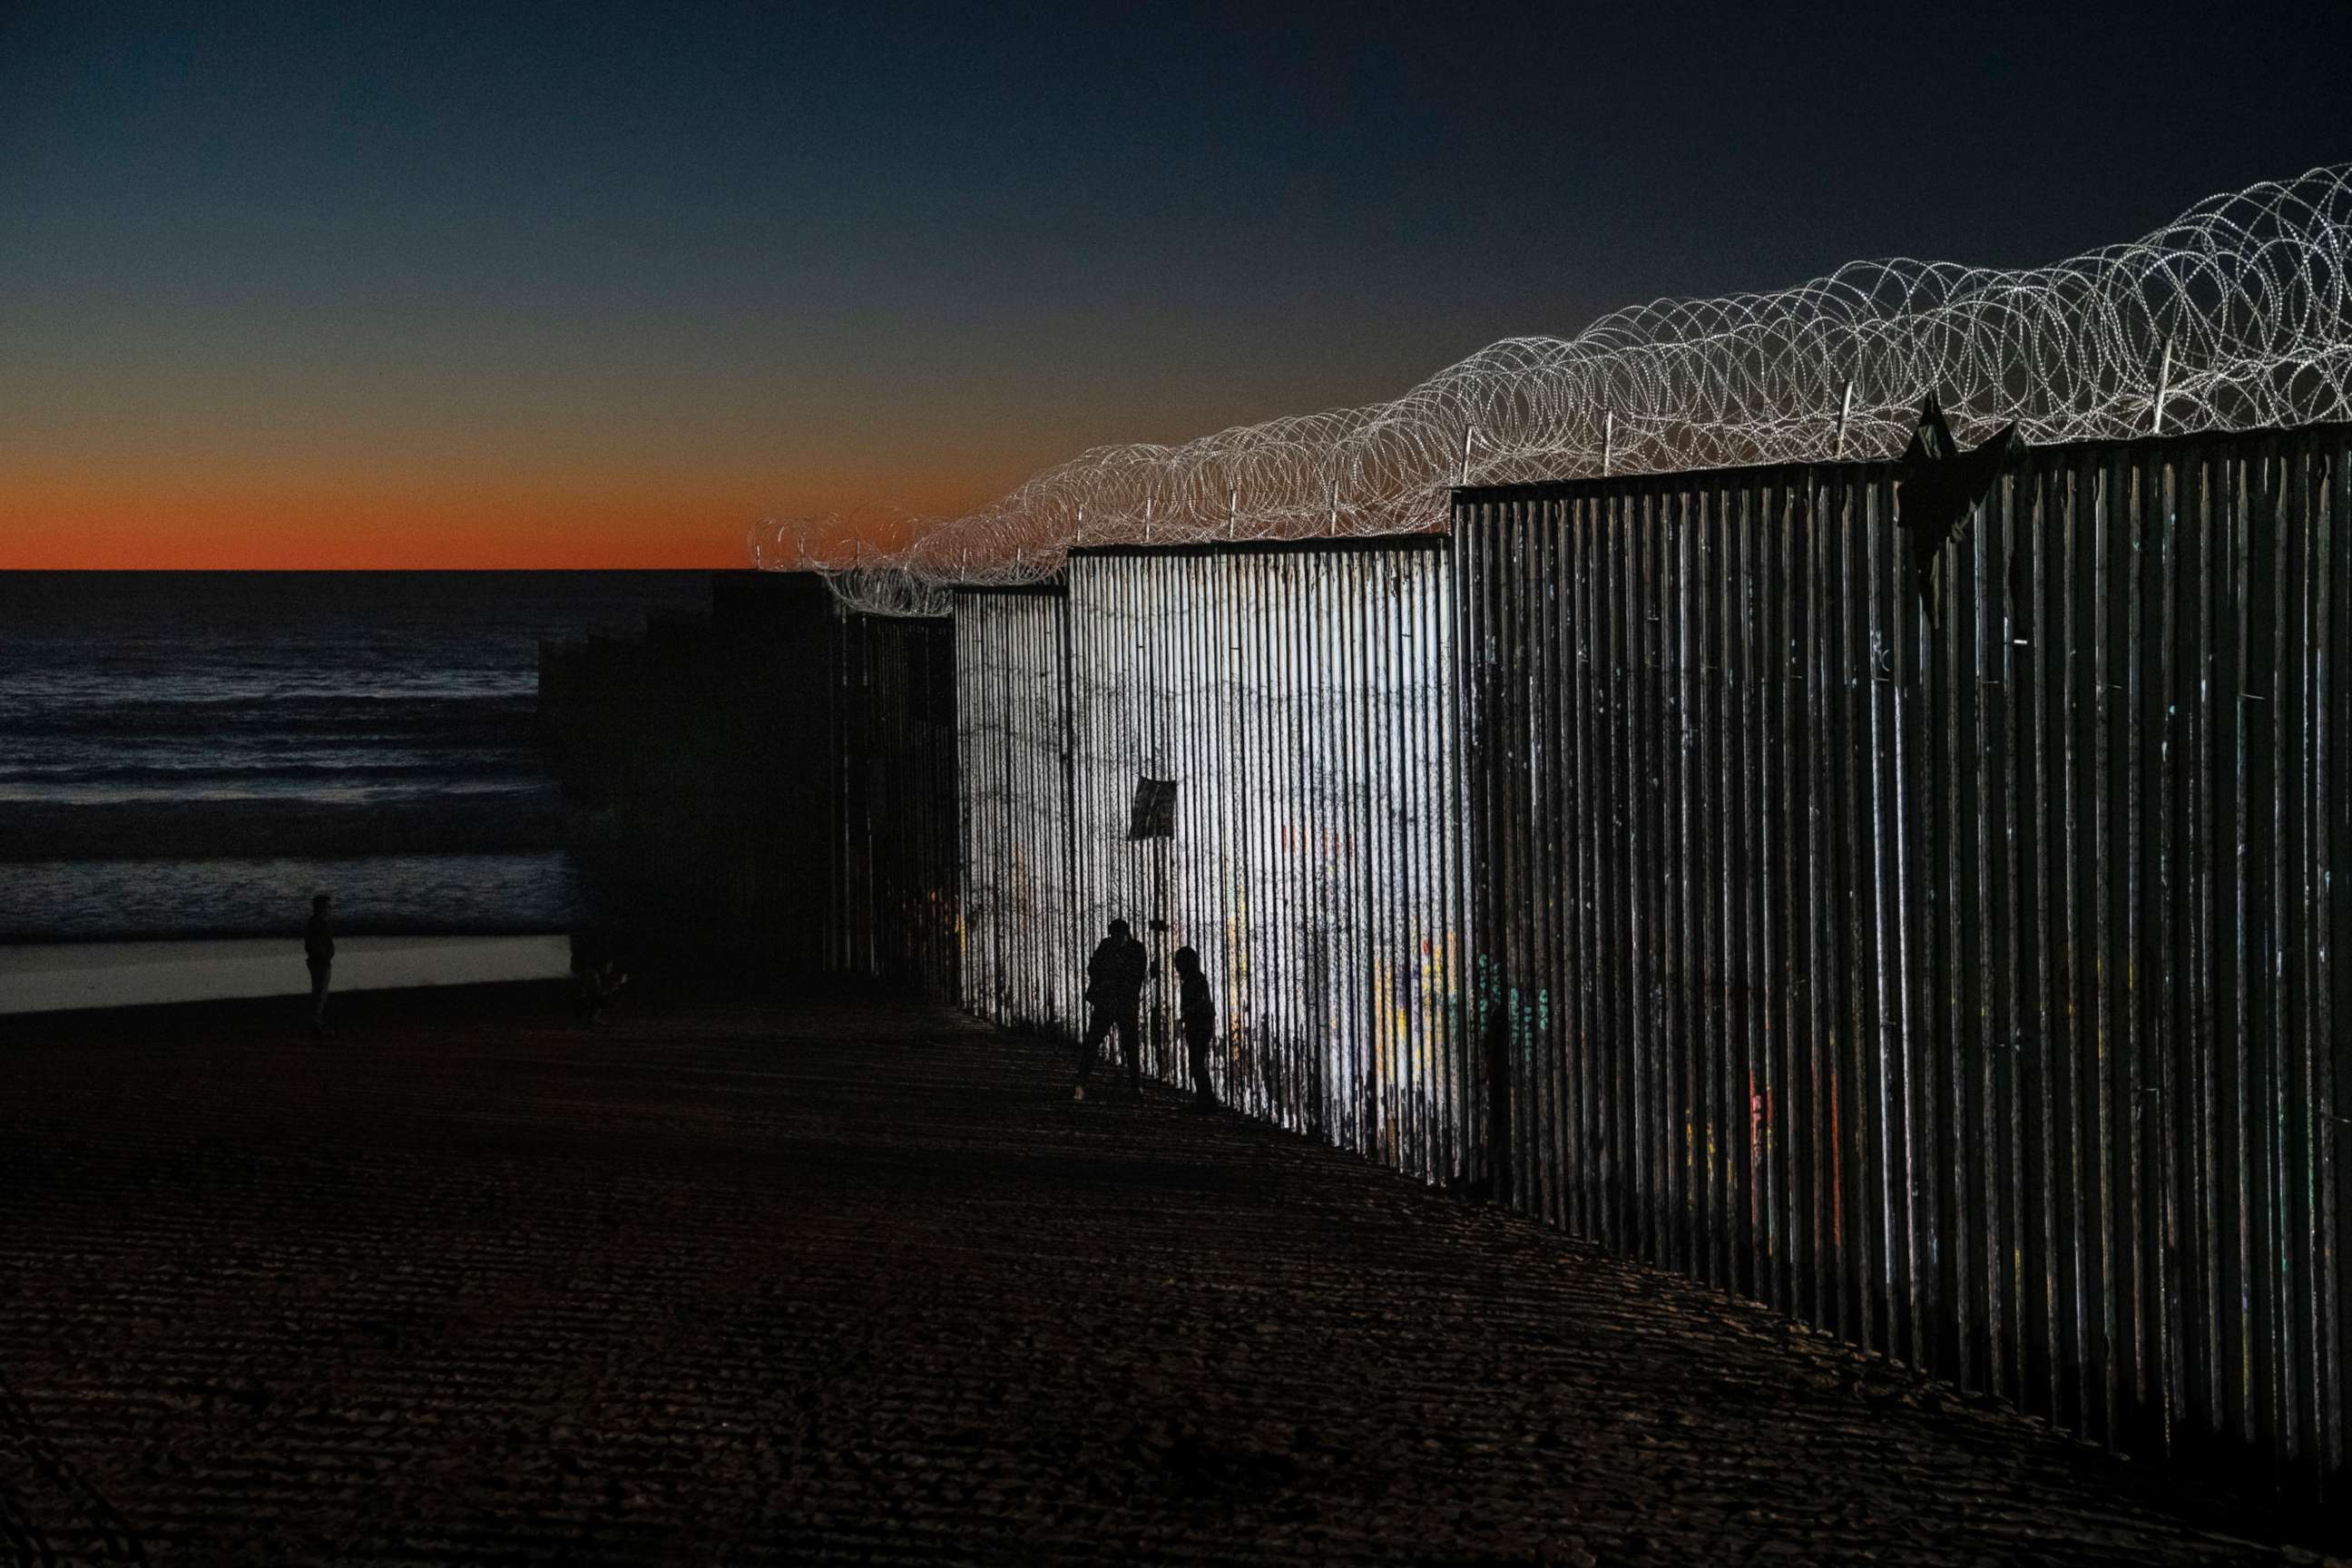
628,274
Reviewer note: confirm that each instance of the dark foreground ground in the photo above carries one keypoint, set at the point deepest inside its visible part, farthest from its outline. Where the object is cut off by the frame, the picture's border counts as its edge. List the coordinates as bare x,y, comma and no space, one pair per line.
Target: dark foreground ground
847,1283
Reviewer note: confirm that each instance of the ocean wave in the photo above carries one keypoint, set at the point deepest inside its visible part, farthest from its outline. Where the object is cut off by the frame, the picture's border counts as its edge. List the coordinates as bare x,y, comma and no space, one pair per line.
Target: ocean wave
456,720
411,824
375,895
457,772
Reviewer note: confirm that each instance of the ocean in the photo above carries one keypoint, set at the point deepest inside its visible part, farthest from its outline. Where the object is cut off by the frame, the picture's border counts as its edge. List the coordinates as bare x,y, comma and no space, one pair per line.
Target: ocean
194,755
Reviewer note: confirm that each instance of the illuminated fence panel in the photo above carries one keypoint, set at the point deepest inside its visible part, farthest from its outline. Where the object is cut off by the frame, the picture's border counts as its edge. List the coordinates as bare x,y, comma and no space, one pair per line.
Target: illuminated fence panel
893,914
1024,962
1302,701
1957,971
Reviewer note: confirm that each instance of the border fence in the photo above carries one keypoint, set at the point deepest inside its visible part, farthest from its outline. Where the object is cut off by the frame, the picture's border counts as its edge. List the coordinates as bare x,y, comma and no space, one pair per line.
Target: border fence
895,913
1949,961
1301,700
1023,957
1934,939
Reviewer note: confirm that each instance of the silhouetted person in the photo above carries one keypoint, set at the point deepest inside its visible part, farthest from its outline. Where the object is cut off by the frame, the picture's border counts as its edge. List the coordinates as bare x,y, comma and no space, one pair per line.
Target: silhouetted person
319,948
597,986
1199,1012
1115,977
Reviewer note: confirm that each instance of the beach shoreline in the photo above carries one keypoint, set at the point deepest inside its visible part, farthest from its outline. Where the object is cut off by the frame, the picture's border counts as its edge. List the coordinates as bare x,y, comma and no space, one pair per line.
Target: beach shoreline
81,977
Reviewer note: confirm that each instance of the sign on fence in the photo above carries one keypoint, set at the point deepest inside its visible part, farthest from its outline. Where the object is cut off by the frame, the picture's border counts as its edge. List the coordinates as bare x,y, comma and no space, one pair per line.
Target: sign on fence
1154,815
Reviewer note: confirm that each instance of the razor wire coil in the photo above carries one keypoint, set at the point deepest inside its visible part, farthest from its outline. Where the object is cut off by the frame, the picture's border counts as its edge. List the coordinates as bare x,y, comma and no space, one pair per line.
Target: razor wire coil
2234,316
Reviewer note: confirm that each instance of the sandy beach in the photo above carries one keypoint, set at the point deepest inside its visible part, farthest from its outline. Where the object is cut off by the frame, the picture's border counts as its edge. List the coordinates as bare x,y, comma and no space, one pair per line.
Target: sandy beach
52,978
821,1279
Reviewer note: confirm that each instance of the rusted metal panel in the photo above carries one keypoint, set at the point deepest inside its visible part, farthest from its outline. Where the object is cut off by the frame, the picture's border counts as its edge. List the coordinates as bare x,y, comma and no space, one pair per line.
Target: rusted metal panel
1959,972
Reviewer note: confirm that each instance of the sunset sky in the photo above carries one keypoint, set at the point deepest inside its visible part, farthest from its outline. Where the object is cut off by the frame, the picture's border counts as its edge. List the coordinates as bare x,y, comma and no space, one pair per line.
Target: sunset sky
599,285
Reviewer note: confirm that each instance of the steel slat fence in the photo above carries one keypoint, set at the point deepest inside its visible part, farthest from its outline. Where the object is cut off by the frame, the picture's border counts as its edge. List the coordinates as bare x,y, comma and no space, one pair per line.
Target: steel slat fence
1956,971
894,910
1302,701
1299,700
1023,951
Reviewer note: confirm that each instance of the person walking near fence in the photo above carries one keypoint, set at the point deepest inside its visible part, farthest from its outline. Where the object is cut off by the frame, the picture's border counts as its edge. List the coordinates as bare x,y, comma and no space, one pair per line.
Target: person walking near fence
1115,977
318,949
1199,1015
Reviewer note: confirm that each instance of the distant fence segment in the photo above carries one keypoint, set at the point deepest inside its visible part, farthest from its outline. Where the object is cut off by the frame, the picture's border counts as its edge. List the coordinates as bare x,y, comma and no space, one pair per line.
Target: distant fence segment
709,751
894,911
1952,965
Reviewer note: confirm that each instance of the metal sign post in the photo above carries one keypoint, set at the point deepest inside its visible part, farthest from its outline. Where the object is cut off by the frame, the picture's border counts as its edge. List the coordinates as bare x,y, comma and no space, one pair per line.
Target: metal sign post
1153,817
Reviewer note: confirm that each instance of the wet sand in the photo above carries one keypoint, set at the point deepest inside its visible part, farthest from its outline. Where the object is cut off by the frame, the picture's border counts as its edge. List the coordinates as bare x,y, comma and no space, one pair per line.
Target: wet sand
838,1282
51,977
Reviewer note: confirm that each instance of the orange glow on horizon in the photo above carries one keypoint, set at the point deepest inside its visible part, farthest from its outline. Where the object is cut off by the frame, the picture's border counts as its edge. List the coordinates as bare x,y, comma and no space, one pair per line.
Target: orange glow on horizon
98,526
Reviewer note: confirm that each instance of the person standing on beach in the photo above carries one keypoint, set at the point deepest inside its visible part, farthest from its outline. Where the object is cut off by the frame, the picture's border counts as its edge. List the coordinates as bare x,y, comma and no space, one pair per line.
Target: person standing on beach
1115,977
1199,1011
319,948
